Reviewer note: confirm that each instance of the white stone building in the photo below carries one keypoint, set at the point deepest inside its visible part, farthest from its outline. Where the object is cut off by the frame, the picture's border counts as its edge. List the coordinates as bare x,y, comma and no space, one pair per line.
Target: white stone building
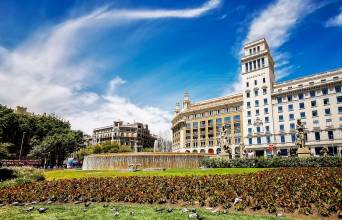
270,109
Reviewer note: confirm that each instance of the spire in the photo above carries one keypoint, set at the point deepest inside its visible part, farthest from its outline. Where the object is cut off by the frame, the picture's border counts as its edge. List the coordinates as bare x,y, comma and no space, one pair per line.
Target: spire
177,109
186,100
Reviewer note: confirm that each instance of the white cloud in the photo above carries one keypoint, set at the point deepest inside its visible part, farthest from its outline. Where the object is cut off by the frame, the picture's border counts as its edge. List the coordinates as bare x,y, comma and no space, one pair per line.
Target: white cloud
335,21
276,21
48,72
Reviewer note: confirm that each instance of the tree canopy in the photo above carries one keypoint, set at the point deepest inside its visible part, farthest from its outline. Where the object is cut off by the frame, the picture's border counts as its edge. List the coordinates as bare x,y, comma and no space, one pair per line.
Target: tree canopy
43,137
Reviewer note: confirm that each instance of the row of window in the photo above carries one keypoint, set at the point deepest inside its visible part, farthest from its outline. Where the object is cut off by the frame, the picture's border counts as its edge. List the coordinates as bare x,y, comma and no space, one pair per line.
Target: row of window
335,78
213,112
256,92
211,121
311,94
256,82
293,138
255,64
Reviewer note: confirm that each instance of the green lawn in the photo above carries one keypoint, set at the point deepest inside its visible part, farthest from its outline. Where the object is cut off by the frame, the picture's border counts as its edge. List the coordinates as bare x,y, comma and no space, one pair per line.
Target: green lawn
97,211
63,174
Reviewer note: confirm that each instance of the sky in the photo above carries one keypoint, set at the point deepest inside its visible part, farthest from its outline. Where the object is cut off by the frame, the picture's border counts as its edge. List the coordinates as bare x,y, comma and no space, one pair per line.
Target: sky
93,62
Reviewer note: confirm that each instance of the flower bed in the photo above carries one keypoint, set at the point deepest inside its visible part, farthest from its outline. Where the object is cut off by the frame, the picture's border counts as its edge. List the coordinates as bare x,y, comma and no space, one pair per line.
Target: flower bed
306,190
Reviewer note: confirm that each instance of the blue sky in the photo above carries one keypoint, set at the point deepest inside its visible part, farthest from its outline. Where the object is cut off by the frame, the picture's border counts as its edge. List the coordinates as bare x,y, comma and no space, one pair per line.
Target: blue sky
97,61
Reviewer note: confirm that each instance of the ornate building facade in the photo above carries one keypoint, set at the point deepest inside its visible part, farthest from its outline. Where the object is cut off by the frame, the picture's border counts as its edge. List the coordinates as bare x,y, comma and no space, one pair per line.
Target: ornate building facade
268,110
136,134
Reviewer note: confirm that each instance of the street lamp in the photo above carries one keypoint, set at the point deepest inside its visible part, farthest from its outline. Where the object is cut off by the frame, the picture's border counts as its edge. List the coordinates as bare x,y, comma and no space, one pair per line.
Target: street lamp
21,146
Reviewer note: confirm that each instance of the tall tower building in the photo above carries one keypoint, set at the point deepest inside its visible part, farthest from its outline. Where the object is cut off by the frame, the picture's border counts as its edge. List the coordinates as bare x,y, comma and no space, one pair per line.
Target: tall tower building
257,81
186,101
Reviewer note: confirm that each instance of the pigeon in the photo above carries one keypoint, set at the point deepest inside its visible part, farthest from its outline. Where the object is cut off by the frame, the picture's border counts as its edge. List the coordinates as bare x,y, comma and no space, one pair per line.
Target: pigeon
29,209
87,204
193,215
159,209
185,210
42,210
237,200
170,210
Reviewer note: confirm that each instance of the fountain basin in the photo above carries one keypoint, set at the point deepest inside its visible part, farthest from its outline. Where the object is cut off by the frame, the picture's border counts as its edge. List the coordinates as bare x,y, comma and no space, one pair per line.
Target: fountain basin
146,160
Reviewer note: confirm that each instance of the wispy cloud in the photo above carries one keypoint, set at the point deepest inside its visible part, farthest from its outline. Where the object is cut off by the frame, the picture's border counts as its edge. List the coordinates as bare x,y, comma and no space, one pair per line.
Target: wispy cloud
335,21
49,72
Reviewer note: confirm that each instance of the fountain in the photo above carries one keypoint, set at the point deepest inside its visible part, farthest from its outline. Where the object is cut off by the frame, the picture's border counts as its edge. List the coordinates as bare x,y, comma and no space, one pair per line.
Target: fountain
122,161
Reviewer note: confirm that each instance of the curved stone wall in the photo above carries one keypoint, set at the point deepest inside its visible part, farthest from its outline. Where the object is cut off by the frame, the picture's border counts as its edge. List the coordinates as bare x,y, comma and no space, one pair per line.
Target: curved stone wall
147,160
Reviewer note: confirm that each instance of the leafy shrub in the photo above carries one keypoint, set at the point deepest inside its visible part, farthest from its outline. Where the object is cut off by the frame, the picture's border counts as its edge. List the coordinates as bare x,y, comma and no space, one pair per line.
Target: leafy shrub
6,173
106,147
20,176
288,189
274,162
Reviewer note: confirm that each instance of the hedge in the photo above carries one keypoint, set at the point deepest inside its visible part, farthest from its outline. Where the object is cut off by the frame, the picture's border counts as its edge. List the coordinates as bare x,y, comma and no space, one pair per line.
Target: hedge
274,162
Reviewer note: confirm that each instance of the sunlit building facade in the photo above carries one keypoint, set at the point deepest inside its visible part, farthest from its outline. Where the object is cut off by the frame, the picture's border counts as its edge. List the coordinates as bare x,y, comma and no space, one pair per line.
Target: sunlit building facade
269,110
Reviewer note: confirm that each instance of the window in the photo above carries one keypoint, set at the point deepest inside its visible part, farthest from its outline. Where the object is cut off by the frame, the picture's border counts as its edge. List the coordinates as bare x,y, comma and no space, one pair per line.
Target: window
327,111
281,118
301,96
280,109
340,110
289,98
337,89
265,102
267,128
313,103
267,119
281,128
326,101
325,91
268,139
248,104
250,51
258,129
266,110
282,139
247,84
292,126
301,105
317,136
312,93
255,82
248,94
258,48
249,121
249,113
293,138
331,135
259,140
280,99
264,91
246,67
302,115
249,130
314,113
256,92
290,107
262,62
254,64
316,123
256,103
258,61
257,112
291,116
339,99
250,141
263,80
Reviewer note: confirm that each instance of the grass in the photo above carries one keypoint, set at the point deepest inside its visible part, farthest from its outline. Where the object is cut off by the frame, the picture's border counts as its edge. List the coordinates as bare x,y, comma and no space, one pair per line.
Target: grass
22,175
65,174
97,211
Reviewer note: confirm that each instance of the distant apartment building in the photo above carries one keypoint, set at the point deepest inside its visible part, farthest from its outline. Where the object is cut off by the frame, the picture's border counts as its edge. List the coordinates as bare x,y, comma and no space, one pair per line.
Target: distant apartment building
268,111
135,134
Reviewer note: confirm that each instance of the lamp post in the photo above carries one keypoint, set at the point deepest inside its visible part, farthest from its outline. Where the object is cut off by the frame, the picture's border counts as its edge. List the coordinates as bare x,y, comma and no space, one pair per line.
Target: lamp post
21,146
